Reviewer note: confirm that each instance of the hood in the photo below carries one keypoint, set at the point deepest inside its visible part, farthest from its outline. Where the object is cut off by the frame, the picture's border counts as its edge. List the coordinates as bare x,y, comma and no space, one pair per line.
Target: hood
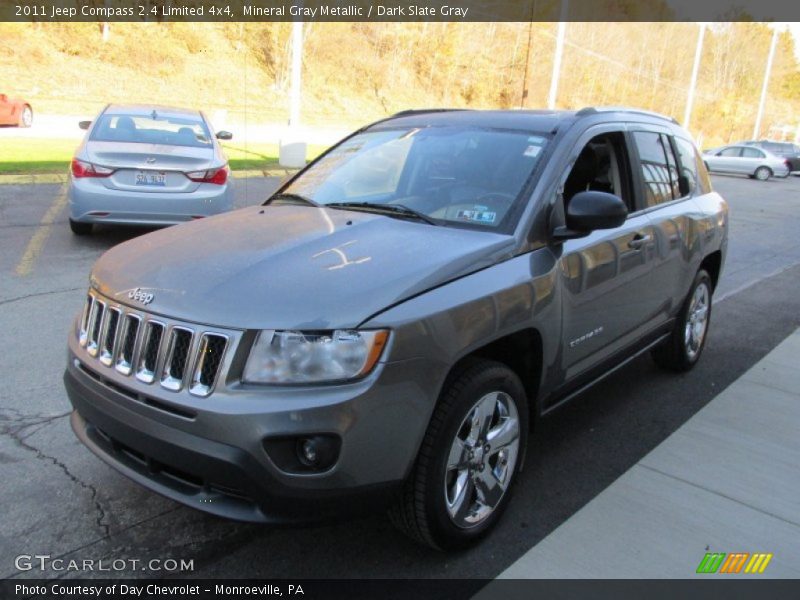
291,267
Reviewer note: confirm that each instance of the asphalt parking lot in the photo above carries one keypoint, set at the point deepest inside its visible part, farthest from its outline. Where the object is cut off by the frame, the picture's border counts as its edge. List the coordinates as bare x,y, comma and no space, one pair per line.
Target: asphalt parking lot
61,501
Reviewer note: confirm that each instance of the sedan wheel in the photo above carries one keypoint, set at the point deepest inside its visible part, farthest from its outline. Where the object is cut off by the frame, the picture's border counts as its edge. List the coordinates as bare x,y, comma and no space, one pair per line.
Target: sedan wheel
762,173
469,458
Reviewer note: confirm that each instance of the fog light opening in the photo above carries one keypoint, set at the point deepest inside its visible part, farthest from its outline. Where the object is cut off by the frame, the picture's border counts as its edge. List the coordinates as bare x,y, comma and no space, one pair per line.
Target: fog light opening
316,452
309,452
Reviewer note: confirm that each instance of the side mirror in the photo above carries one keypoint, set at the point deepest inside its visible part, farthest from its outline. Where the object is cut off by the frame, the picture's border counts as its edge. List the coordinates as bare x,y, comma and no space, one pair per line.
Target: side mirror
588,211
84,124
224,135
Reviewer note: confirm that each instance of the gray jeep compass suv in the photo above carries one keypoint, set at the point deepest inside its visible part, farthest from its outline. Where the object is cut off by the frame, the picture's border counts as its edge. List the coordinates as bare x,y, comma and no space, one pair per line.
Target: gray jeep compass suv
390,324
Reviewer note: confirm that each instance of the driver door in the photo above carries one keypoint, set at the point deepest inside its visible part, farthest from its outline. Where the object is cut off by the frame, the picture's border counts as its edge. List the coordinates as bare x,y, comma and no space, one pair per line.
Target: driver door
606,275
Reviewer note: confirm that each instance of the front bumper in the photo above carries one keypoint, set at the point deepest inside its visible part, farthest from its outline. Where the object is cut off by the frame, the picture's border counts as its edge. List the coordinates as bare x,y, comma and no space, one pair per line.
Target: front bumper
216,462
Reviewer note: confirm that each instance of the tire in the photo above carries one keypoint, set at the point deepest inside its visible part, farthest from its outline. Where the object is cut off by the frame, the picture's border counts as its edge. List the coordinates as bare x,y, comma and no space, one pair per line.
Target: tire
688,338
80,228
762,173
457,452
26,116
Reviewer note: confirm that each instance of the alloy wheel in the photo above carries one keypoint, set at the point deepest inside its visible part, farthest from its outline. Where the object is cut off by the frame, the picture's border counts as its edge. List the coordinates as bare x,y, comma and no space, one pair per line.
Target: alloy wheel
482,459
697,320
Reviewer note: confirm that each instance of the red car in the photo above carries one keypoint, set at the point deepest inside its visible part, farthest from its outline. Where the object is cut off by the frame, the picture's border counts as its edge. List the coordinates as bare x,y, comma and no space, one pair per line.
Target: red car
14,111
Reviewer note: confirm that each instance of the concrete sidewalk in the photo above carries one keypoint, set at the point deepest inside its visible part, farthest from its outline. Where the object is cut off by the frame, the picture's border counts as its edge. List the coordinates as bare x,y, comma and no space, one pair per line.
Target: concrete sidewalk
727,481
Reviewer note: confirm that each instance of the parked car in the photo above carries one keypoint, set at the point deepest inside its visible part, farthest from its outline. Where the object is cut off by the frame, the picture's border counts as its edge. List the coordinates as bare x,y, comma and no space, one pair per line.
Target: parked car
148,165
786,150
742,159
14,111
385,329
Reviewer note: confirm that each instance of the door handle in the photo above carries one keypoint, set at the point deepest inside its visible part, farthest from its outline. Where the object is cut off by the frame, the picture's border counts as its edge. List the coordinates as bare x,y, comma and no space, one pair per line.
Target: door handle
639,240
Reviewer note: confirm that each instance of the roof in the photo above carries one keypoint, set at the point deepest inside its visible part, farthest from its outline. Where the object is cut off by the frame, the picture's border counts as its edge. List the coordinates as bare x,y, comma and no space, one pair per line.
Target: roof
526,120
147,109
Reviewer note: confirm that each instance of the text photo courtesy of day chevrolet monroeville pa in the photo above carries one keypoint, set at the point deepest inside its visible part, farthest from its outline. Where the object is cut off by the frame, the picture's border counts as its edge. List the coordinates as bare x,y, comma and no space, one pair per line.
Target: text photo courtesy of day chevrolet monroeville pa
354,299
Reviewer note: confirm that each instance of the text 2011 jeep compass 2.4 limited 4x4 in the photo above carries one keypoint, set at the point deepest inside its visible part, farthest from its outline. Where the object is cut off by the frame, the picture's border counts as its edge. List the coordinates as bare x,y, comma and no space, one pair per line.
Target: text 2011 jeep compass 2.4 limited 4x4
391,321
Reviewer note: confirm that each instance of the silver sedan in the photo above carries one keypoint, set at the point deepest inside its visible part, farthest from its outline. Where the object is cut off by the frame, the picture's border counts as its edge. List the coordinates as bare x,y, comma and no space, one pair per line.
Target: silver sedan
148,165
745,160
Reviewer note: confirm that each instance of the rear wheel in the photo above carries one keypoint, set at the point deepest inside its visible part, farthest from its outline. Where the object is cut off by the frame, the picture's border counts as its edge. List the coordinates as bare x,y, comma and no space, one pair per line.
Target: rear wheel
683,348
762,173
469,459
80,228
26,117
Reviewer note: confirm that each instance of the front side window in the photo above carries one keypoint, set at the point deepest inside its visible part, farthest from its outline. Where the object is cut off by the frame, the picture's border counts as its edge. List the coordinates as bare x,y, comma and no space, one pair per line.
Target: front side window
733,151
602,165
152,129
455,176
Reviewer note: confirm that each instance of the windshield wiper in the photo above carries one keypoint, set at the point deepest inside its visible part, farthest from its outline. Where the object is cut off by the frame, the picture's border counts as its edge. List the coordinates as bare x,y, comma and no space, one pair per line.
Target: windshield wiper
398,210
297,198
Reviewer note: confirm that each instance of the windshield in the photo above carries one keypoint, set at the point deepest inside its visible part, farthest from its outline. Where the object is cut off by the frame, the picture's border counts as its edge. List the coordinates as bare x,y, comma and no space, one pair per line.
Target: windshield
451,175
152,129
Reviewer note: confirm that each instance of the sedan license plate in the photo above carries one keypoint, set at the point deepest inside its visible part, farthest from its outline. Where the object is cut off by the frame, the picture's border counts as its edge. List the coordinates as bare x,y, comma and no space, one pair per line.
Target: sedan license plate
155,178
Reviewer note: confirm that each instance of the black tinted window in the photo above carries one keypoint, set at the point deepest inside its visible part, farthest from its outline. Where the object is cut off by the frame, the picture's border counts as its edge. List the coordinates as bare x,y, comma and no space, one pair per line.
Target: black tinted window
658,172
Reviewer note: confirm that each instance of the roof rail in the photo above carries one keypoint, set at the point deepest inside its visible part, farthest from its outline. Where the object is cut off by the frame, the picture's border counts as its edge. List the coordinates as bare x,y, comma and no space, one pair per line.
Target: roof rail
591,110
419,111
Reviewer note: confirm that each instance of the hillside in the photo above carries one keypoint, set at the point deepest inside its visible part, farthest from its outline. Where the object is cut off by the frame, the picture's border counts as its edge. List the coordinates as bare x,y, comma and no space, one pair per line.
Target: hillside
356,72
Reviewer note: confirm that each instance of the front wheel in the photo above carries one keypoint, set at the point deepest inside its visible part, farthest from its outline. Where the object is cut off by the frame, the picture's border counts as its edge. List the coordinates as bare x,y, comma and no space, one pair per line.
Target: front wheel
469,459
26,117
762,173
683,348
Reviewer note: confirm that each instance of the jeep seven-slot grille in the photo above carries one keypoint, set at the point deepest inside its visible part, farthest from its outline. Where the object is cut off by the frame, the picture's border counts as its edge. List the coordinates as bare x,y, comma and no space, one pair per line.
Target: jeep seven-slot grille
135,343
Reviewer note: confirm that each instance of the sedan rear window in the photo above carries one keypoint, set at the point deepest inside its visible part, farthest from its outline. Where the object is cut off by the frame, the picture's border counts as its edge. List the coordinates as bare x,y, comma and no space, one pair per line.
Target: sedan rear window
152,129
452,175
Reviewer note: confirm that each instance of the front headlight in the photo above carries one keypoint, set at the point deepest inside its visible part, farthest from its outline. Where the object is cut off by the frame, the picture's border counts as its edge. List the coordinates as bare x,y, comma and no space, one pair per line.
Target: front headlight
298,357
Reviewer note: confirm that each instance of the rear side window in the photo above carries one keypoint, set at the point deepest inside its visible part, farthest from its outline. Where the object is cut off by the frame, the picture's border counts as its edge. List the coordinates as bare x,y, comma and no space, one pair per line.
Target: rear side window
752,153
687,156
659,168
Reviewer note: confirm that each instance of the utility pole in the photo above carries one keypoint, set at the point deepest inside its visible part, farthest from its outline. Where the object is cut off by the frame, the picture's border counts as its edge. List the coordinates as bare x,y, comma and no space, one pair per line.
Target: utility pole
695,70
297,69
562,28
765,86
526,71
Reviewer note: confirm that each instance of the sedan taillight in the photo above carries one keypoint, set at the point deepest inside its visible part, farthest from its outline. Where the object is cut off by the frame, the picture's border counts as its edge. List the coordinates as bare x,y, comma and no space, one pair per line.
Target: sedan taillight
216,176
81,168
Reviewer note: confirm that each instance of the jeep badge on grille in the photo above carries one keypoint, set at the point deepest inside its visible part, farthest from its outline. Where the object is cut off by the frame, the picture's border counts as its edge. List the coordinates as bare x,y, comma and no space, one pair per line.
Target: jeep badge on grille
138,295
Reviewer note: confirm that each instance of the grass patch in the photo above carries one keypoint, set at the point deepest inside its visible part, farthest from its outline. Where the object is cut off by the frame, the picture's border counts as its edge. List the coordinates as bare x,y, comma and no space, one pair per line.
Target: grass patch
24,156
34,155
